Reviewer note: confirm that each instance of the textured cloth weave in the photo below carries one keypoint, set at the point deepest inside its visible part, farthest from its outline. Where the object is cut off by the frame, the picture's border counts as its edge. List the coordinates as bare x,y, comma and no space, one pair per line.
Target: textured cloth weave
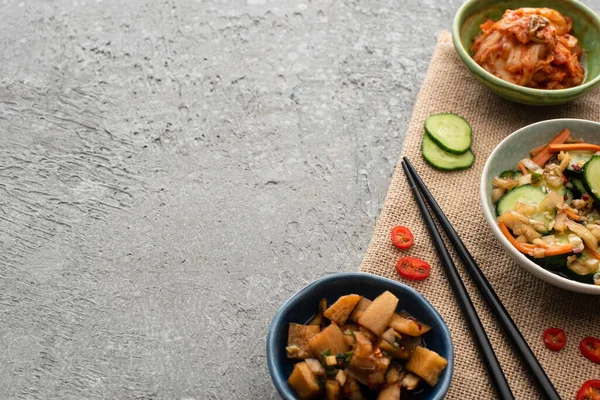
533,304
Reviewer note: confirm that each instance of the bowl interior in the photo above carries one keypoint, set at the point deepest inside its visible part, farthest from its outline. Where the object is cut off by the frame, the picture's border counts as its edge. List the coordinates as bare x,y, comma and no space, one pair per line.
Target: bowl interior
506,156
302,306
586,26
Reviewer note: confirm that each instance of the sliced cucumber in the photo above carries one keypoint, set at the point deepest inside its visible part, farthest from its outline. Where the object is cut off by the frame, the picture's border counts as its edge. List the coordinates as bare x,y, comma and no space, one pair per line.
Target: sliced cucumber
578,187
442,160
552,263
585,277
591,177
578,158
562,190
449,131
526,194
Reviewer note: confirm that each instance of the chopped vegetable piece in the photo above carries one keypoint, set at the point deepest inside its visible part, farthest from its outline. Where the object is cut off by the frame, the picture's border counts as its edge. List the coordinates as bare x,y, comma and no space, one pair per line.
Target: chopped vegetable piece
363,347
394,350
341,377
331,361
577,160
393,374
330,338
298,338
450,132
389,336
590,348
376,317
402,237
332,390
391,392
318,319
406,324
590,390
543,156
351,390
365,331
341,309
427,364
360,308
303,381
555,339
410,381
349,338
315,366
413,268
555,148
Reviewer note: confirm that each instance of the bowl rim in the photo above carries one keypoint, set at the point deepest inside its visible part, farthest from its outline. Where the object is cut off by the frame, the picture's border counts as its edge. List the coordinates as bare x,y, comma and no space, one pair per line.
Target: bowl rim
484,74
279,381
523,261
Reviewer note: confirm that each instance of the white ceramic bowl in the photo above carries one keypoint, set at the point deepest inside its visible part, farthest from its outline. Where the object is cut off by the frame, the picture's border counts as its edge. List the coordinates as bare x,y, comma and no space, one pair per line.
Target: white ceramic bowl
506,156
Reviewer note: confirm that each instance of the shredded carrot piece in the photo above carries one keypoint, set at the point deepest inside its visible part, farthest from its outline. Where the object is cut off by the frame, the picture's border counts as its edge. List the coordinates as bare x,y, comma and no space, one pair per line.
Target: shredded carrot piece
555,148
555,251
522,247
523,169
528,248
543,156
572,215
537,150
593,252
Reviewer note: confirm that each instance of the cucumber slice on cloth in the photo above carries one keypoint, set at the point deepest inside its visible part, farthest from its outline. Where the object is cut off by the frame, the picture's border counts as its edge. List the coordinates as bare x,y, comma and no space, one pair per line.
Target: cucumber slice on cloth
450,132
442,160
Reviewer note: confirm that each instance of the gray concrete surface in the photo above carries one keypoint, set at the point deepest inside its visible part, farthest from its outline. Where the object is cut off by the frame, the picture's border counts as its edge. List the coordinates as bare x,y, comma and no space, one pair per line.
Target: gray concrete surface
171,172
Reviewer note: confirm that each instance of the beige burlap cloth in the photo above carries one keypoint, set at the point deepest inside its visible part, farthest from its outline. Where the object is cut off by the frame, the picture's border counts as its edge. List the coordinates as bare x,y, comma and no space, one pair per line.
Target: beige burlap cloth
533,304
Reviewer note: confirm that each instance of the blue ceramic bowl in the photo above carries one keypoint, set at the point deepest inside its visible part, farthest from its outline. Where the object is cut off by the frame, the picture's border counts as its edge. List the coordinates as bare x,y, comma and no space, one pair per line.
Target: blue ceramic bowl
301,307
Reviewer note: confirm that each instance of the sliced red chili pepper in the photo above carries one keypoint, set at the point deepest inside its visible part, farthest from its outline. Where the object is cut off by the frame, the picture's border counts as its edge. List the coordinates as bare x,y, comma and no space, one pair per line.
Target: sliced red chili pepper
402,237
555,339
590,390
413,268
590,348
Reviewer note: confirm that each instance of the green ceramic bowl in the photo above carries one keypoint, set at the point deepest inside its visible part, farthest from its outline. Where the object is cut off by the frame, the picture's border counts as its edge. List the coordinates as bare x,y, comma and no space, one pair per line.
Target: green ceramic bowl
586,28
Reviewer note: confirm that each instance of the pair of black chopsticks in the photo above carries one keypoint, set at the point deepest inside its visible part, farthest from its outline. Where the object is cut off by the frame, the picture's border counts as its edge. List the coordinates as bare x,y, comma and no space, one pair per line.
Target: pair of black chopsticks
464,301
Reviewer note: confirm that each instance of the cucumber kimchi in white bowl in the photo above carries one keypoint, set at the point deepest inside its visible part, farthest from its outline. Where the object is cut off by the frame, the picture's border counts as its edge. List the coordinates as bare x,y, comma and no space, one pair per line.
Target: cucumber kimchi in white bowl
540,193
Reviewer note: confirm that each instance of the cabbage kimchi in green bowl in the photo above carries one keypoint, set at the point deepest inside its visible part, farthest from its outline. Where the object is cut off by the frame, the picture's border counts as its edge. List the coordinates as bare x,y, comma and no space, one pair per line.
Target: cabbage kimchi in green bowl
548,207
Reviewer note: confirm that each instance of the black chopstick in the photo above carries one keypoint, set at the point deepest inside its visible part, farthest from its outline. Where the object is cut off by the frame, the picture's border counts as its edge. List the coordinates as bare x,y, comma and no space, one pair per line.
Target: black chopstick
491,298
464,301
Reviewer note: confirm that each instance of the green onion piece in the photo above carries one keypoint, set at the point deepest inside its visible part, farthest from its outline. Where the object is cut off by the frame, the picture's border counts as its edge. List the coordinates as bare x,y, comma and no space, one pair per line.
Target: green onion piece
507,174
348,356
348,332
325,354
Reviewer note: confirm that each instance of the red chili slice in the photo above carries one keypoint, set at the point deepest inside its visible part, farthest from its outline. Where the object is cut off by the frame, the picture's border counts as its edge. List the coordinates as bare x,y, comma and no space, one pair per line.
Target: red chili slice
402,237
590,390
590,348
555,339
413,268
